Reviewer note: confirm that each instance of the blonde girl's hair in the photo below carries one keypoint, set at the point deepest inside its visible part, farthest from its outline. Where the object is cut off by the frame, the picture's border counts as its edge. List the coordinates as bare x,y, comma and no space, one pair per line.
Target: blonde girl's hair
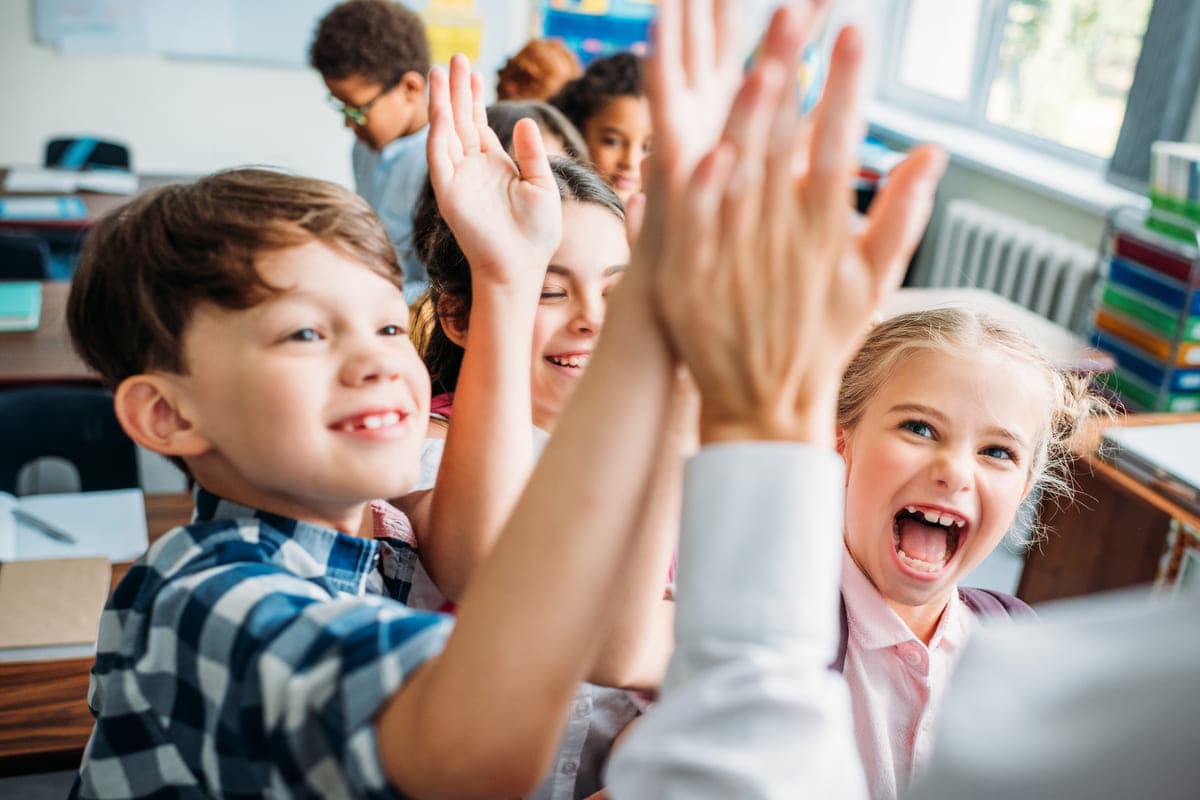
960,331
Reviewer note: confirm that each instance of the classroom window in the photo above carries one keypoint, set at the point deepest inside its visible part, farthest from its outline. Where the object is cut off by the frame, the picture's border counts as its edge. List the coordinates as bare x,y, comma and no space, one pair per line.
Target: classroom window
1054,74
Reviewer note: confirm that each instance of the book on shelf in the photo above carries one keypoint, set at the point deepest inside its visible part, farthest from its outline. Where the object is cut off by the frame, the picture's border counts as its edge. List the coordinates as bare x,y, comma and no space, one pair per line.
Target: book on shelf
20,305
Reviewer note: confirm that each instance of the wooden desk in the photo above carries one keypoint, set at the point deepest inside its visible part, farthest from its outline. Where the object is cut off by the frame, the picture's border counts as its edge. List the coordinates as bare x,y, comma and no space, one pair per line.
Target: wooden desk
1066,350
97,205
44,718
43,355
1112,536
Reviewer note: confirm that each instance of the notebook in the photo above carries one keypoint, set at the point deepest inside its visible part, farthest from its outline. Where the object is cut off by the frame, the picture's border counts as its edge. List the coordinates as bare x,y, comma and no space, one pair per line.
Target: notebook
1166,457
52,608
38,208
38,180
111,525
20,305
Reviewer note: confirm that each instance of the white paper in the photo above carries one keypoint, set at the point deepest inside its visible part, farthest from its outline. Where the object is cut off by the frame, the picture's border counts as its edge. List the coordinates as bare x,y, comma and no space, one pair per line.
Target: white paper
108,181
26,180
110,524
34,179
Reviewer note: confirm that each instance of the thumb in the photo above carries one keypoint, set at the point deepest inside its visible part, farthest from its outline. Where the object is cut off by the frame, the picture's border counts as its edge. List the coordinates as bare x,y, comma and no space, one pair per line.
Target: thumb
530,154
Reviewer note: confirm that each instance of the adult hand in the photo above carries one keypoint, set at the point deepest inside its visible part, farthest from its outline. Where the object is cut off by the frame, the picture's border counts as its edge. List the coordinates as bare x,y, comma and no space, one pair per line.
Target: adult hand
506,216
764,288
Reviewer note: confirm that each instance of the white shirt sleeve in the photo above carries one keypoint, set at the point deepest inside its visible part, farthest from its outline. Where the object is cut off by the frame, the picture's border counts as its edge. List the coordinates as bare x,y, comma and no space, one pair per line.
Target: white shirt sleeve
749,708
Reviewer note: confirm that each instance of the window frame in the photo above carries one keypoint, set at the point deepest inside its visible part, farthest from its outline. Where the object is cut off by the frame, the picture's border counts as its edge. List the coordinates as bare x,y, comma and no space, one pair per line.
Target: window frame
972,113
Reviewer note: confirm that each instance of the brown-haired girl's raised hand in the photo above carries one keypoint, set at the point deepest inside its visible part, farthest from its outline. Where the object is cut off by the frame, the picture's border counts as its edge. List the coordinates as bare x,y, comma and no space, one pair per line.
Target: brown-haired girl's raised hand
506,216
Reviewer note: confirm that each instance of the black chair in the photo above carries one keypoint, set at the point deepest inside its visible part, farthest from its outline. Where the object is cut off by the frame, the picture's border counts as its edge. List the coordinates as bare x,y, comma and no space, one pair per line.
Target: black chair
75,423
86,151
24,257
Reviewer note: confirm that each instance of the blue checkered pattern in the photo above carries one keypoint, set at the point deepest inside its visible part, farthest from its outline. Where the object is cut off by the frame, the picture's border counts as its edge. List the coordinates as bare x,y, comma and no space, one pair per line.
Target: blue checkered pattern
246,655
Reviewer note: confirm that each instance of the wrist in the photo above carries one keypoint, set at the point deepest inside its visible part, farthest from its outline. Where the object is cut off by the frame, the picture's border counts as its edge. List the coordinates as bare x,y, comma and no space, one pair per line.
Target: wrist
508,302
811,422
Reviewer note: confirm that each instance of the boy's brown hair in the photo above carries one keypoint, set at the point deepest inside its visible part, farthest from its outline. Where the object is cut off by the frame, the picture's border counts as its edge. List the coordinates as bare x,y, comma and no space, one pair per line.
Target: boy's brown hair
146,266
379,40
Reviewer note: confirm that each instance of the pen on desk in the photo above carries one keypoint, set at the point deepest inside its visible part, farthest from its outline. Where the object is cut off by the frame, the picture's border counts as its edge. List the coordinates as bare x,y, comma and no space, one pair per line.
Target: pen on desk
39,524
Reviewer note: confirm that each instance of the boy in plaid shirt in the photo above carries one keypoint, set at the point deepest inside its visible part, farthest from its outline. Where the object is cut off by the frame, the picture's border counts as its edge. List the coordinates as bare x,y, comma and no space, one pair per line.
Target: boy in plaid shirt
253,328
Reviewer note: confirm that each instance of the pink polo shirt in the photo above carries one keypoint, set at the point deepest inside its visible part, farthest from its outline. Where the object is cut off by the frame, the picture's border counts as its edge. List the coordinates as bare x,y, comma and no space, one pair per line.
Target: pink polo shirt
896,682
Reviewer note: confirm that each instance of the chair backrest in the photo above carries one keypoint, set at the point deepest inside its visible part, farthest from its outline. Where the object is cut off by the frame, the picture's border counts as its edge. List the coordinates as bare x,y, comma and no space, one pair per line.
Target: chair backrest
24,257
74,423
86,151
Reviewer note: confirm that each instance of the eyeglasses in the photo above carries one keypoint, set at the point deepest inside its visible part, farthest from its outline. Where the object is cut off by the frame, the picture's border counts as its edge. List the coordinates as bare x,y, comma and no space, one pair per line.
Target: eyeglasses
357,114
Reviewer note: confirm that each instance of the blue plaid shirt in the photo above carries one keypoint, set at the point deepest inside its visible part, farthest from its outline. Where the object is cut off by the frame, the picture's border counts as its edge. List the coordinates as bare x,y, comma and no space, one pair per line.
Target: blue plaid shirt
247,654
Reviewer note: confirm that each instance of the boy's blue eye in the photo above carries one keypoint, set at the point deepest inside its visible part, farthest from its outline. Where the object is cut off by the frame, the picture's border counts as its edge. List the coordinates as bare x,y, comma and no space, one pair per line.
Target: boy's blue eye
391,330
305,335
918,427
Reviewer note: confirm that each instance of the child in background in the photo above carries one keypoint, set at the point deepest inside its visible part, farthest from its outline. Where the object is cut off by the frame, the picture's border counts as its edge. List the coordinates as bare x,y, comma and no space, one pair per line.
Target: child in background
537,71
559,136
608,106
946,420
373,57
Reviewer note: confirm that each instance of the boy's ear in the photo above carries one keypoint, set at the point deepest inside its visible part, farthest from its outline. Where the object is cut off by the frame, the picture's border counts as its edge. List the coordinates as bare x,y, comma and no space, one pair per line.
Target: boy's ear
412,84
450,316
148,409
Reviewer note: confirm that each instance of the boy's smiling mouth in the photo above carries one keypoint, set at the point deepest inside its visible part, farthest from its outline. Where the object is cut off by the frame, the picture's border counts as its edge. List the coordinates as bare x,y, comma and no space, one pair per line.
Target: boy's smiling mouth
375,422
570,361
926,538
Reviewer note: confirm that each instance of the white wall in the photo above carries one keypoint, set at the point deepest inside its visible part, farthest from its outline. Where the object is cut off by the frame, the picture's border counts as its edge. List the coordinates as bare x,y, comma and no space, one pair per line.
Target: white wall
178,116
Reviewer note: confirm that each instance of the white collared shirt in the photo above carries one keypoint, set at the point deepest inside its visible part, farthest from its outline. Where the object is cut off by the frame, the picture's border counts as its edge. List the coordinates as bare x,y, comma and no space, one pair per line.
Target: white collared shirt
896,681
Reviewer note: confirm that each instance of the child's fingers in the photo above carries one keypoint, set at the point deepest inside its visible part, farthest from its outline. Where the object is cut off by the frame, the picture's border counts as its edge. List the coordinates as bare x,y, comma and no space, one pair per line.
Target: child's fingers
790,27
900,212
668,47
728,34
749,131
479,110
530,153
699,39
443,147
749,118
837,129
462,102
635,215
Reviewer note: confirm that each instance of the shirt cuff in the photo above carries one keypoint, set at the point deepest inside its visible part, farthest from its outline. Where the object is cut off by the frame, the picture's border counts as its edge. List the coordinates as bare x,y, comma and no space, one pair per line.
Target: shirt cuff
761,543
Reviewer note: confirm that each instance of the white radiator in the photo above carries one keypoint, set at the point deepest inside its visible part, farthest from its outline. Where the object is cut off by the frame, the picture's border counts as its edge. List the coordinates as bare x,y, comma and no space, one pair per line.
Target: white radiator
1042,271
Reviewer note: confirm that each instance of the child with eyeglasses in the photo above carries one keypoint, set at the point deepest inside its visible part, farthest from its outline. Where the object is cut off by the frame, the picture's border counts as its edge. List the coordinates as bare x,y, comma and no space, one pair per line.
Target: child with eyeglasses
373,57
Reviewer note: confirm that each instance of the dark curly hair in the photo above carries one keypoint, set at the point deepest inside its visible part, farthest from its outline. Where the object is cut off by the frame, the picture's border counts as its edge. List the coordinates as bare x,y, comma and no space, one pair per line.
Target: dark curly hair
605,79
378,39
450,275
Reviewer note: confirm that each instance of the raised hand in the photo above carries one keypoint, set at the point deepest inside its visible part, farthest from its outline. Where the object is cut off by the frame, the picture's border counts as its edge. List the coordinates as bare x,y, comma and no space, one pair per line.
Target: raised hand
763,287
506,216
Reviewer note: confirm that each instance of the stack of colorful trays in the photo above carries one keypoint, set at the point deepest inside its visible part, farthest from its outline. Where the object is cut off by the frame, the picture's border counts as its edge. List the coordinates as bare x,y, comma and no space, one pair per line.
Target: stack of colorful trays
1175,187
1149,320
